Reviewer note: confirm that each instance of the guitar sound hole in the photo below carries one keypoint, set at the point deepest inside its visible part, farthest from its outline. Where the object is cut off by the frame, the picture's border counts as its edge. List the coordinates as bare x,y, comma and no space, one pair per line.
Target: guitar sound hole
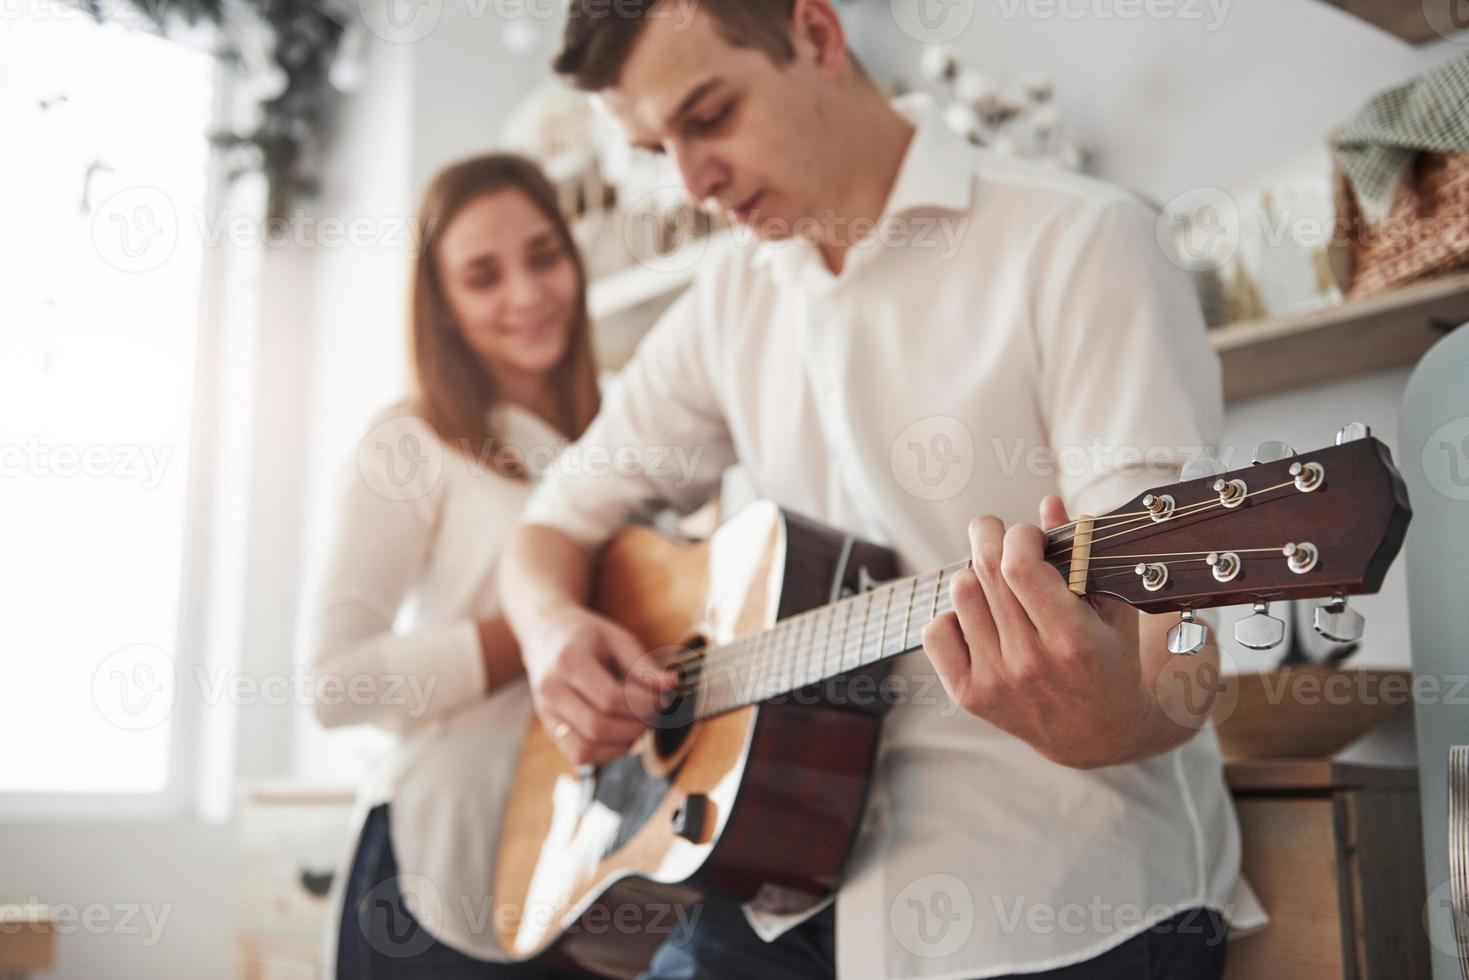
671,728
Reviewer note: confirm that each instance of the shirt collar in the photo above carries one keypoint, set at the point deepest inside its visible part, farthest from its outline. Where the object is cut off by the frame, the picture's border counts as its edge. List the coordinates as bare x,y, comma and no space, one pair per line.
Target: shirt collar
937,172
519,426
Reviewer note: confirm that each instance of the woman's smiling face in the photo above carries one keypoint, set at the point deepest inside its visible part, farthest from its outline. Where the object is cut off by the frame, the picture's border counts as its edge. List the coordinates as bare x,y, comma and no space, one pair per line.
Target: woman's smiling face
510,283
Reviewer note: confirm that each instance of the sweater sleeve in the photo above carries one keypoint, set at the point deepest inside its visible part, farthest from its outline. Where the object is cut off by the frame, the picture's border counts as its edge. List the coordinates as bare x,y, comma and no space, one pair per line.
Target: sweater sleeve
368,672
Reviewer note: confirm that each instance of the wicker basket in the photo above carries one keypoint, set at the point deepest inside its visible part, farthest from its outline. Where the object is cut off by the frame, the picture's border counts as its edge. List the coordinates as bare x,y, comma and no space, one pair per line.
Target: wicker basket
1426,233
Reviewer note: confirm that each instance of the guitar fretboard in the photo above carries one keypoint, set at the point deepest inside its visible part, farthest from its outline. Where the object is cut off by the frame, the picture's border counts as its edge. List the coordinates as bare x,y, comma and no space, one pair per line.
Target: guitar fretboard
821,643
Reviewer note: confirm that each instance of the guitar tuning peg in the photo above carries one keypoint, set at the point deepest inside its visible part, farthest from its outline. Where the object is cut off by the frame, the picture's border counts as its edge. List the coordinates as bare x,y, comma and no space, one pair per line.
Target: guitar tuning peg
1201,466
1260,631
1335,621
1271,451
1353,431
1188,636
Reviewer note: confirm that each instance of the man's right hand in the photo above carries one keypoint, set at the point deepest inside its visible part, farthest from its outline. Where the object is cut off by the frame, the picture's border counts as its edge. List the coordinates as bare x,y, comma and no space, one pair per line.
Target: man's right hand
594,687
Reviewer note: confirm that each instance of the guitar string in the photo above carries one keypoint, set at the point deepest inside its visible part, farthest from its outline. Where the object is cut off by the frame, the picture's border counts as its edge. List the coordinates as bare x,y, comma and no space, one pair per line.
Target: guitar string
791,650
690,678
1185,511
1072,524
789,644
782,649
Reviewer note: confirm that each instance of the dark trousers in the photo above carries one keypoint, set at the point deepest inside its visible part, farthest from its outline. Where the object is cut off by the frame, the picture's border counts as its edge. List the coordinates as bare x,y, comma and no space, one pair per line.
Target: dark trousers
379,939
719,943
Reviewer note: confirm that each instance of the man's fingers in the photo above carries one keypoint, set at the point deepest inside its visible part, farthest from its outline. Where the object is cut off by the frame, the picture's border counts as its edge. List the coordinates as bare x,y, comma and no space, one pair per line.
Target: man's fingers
607,696
1041,592
566,702
975,623
949,654
621,651
987,545
1053,512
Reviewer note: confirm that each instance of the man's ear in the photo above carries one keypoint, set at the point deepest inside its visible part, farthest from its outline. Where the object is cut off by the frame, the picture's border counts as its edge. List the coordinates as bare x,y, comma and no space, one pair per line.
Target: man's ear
818,35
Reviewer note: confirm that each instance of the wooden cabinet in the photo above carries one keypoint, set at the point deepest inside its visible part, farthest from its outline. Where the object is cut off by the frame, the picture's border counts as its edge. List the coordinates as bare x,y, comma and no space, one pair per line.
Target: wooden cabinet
27,940
1335,853
288,835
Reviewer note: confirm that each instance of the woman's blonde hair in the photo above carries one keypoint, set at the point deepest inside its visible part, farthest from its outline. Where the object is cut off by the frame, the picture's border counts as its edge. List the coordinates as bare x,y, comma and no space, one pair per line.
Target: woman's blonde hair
454,389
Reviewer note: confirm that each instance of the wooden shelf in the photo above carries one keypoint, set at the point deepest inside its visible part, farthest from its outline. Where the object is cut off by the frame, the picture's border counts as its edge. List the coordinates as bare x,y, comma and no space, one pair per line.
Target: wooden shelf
1388,330
1411,20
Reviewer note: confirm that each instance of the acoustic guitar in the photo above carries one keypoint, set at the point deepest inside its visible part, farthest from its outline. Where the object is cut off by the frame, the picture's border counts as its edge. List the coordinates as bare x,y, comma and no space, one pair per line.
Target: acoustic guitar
753,781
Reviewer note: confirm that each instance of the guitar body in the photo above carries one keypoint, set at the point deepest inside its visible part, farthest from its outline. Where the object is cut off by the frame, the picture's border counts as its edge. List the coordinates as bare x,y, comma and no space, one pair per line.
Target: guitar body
597,869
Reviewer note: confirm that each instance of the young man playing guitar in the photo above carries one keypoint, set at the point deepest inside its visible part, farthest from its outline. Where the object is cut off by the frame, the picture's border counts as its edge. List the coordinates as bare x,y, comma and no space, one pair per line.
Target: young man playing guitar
1072,820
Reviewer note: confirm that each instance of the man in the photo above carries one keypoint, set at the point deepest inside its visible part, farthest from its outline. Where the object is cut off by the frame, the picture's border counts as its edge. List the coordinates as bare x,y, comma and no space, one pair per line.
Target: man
919,331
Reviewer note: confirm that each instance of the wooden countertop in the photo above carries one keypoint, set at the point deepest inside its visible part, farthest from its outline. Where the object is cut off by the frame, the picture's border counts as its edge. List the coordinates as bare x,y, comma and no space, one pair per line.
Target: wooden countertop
1264,775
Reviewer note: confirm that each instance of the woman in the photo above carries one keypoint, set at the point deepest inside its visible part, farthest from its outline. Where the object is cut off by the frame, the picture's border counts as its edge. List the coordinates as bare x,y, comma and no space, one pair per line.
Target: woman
504,373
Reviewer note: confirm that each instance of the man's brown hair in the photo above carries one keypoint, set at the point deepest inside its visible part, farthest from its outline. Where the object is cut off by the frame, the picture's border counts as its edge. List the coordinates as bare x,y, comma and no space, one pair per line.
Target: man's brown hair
600,33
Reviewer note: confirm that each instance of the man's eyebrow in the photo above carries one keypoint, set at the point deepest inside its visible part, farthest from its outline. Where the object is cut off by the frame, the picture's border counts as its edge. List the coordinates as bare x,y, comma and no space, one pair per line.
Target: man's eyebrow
691,100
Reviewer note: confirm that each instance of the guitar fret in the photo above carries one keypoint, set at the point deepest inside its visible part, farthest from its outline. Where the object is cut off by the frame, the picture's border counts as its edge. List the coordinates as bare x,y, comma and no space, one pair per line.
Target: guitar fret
809,673
882,628
908,610
868,620
794,671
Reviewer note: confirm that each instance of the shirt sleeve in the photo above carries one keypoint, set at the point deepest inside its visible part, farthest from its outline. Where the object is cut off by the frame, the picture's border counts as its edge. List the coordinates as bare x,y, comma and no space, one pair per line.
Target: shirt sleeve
1130,386
660,437
366,671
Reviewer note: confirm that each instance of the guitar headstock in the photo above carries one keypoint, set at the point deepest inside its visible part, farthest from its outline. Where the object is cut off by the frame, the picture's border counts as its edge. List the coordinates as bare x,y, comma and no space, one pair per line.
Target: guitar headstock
1326,523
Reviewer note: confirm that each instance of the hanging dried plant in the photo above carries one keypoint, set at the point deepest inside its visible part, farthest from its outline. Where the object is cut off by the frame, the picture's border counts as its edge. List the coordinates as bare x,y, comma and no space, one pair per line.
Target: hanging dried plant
284,50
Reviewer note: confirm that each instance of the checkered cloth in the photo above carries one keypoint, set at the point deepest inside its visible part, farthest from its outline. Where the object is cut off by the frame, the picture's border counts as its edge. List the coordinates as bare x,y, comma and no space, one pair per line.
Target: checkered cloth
1375,149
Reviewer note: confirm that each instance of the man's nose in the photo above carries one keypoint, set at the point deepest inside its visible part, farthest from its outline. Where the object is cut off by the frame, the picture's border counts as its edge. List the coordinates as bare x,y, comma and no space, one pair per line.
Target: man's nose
702,174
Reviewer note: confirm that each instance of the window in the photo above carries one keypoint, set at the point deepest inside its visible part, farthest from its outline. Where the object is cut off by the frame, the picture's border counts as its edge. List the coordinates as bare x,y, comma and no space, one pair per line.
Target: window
102,187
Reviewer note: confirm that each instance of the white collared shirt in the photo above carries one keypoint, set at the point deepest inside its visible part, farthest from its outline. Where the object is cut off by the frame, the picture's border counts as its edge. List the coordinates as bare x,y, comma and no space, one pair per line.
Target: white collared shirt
410,571
1012,332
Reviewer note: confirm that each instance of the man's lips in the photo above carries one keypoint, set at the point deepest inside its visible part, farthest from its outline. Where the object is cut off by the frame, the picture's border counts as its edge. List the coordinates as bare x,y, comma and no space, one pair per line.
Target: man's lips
743,211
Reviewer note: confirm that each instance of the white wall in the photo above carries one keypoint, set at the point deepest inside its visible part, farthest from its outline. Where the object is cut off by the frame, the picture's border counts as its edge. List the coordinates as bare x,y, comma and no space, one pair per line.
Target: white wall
1169,104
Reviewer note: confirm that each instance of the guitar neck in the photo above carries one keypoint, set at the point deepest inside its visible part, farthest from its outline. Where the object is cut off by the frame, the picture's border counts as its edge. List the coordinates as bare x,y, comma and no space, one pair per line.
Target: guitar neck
1325,523
826,641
